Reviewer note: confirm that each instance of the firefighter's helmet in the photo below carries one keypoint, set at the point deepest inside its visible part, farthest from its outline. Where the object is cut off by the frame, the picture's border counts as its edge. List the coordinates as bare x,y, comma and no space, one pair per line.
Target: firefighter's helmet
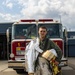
49,54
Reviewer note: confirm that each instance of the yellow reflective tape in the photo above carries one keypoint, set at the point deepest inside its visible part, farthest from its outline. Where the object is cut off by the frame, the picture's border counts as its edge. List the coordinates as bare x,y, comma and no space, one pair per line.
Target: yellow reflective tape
18,48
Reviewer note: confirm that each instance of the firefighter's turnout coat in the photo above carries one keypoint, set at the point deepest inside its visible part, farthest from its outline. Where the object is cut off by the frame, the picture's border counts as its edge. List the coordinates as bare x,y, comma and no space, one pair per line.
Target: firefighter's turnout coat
31,53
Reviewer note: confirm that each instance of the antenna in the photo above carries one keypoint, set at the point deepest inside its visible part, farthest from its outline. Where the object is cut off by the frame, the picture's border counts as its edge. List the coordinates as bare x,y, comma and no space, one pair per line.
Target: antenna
60,18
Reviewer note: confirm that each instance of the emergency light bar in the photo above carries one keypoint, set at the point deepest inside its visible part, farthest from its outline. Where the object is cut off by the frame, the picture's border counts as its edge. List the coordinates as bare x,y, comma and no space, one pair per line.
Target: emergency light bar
40,20
27,20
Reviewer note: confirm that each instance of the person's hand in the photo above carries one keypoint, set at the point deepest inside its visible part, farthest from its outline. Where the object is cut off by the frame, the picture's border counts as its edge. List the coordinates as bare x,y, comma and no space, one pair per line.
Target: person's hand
56,63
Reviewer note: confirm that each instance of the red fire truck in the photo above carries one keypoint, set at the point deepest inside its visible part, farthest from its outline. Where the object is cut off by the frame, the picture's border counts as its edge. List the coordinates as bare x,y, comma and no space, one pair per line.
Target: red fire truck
26,30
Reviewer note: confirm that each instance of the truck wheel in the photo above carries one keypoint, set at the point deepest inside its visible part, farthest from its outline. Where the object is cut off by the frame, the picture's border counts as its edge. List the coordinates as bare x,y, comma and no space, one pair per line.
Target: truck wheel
20,71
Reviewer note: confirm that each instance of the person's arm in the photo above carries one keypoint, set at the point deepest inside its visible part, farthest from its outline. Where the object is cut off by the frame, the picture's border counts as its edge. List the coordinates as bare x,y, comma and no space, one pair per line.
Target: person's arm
58,51
36,45
37,48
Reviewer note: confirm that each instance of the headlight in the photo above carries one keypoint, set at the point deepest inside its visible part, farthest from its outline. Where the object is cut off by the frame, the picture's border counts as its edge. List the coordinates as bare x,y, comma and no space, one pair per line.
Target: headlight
11,55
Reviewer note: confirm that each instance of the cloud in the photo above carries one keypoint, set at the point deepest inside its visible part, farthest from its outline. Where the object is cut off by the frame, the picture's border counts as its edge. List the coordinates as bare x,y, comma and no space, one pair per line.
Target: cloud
56,9
9,17
45,8
51,9
8,4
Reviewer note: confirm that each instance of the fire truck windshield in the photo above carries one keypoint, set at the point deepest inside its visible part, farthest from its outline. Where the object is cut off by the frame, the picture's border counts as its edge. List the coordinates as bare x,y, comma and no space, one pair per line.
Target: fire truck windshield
54,30
24,31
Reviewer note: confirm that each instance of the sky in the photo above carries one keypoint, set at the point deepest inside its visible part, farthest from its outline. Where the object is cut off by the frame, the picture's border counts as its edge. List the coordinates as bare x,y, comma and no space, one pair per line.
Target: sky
14,10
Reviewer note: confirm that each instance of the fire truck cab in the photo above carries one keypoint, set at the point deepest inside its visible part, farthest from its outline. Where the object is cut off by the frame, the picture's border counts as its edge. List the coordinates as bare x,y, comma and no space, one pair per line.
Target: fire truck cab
26,30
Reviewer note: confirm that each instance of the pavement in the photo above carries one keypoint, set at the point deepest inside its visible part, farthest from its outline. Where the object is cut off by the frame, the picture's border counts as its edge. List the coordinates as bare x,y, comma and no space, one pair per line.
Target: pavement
71,62
3,65
70,69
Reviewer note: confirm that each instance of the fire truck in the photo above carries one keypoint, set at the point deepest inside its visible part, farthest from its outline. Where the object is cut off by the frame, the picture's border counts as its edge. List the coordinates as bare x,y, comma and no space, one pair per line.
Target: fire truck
26,30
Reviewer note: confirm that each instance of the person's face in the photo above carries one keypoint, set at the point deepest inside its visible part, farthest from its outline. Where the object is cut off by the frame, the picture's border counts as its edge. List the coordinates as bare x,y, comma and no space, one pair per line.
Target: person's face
42,32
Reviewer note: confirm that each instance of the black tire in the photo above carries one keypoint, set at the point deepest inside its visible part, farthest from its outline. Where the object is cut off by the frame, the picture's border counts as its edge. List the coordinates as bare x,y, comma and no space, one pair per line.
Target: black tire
20,71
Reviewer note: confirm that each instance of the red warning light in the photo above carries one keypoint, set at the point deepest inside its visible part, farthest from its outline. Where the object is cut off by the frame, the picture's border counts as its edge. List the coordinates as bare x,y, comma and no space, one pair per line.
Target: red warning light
27,20
43,20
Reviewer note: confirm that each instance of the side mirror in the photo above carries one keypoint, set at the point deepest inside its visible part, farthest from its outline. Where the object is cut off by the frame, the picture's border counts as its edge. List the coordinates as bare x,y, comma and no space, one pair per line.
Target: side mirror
65,32
66,41
8,34
8,31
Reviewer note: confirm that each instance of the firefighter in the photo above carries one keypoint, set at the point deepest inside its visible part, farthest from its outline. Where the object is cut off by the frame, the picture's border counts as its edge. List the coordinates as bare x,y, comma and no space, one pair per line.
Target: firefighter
42,65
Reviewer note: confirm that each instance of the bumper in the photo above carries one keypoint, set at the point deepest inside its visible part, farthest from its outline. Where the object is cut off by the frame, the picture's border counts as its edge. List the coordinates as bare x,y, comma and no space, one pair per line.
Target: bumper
16,64
64,62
